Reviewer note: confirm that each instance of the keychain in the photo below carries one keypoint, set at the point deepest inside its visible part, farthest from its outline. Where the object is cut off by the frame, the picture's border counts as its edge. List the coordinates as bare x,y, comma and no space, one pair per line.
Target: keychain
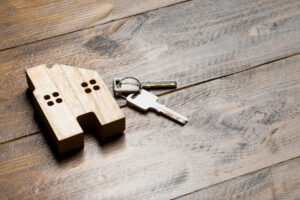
144,100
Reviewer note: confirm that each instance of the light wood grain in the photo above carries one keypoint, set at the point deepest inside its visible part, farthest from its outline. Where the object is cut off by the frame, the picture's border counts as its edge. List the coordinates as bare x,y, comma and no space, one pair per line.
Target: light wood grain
237,125
190,42
71,99
23,22
277,182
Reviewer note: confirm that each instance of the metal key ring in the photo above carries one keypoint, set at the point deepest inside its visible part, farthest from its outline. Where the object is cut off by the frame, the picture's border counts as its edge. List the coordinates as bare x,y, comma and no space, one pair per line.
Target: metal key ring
131,77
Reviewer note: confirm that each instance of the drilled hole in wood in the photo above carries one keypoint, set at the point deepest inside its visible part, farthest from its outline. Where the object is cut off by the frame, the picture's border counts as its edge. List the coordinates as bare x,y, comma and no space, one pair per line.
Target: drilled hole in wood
96,87
84,84
92,81
88,90
46,97
59,100
55,94
50,103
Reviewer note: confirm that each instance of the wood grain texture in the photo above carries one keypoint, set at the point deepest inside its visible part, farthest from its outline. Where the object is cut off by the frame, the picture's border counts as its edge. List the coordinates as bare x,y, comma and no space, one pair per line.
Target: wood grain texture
71,99
23,22
280,181
237,125
190,42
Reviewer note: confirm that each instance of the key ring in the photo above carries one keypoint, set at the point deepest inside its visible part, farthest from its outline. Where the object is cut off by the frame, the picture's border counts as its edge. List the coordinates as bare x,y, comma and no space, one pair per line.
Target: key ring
131,77
120,83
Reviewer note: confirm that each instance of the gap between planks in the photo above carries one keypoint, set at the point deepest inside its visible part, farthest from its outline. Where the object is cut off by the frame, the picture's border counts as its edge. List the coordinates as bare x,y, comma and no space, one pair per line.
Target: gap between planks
182,88
226,75
59,35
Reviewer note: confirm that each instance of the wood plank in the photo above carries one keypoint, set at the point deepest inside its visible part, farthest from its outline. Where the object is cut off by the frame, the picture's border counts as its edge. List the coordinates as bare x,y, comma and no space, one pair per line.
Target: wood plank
23,22
189,43
237,125
277,182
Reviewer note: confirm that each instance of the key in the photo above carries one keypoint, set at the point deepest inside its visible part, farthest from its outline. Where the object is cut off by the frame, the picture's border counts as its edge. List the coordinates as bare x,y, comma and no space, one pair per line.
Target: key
146,100
131,86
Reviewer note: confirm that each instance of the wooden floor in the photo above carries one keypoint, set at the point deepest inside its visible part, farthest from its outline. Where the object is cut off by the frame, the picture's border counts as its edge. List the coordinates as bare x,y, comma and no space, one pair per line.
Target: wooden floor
237,64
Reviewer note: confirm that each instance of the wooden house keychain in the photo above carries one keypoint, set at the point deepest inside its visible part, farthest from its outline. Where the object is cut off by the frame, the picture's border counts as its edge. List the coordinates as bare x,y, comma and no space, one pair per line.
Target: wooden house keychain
69,99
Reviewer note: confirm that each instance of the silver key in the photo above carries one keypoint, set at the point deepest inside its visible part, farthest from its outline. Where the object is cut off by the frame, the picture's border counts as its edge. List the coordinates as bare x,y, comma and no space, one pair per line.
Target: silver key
146,100
131,86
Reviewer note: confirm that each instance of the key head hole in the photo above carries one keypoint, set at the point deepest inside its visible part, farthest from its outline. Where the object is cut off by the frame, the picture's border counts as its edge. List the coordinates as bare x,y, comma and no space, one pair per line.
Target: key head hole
118,83
133,96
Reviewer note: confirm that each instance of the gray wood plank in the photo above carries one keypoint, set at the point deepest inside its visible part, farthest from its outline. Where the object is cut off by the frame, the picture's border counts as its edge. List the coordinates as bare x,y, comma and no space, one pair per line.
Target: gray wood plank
189,42
280,181
23,22
237,125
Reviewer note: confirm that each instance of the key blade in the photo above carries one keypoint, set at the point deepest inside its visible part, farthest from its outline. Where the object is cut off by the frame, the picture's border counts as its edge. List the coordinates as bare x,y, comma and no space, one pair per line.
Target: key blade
146,100
159,84
171,114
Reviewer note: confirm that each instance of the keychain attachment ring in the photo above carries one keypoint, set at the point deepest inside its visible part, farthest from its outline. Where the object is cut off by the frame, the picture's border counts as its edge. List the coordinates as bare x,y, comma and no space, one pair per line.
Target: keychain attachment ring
131,77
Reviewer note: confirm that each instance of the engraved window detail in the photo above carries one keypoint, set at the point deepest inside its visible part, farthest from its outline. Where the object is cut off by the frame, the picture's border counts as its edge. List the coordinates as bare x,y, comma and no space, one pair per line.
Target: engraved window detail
47,97
91,83
55,96
96,87
50,103
84,84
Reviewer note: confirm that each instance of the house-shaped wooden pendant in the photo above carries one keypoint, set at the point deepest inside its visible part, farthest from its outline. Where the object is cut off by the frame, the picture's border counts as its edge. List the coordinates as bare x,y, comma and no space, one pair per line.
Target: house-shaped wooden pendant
69,99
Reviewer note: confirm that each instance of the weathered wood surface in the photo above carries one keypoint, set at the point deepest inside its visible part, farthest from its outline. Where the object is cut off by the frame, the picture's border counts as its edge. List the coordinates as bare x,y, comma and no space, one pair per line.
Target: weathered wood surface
189,42
23,22
237,125
280,181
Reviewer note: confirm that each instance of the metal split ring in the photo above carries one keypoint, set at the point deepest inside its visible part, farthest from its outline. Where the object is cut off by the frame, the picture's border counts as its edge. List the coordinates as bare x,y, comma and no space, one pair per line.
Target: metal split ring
131,77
